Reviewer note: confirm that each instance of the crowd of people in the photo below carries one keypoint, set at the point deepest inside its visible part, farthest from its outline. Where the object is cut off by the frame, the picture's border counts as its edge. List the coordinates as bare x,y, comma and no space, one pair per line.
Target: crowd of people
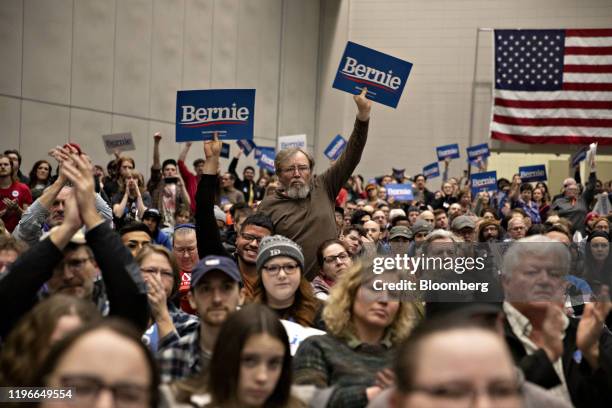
207,288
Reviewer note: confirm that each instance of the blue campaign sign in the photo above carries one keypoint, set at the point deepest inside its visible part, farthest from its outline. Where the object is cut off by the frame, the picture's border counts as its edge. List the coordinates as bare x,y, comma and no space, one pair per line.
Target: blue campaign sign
486,181
266,160
246,146
450,151
481,150
230,112
532,173
384,76
260,149
579,156
401,192
335,148
225,150
431,170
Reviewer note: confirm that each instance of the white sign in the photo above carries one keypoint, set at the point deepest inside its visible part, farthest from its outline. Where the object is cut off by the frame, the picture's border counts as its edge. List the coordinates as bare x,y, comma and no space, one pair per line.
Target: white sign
298,333
122,142
292,141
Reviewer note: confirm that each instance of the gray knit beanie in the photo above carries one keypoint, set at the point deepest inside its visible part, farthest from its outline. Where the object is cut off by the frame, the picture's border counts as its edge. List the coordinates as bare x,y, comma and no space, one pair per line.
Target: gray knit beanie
278,245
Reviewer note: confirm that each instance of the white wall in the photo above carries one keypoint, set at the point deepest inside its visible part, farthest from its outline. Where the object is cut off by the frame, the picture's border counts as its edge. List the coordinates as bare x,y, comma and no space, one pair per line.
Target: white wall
440,38
77,69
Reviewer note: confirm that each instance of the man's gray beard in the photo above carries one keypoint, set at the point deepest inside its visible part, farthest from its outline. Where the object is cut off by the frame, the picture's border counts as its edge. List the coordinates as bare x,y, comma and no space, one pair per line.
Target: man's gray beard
298,193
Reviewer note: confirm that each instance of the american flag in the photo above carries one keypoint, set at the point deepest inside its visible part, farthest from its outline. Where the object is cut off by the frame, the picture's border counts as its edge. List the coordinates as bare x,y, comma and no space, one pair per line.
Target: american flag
553,86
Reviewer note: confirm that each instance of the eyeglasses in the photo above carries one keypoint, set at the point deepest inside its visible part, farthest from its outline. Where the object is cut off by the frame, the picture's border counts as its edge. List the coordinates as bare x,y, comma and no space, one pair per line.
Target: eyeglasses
165,273
251,237
76,262
342,256
500,393
300,169
274,270
88,388
187,250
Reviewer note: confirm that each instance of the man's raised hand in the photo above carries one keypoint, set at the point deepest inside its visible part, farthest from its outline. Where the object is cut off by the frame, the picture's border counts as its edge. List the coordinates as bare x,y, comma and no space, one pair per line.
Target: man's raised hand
364,105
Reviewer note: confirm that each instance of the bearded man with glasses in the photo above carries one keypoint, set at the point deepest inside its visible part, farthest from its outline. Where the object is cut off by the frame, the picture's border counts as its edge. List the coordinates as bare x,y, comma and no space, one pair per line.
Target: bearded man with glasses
302,208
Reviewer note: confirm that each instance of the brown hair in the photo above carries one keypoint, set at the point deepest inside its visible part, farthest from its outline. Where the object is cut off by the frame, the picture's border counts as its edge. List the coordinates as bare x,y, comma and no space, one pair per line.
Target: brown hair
13,172
325,244
28,344
304,308
9,243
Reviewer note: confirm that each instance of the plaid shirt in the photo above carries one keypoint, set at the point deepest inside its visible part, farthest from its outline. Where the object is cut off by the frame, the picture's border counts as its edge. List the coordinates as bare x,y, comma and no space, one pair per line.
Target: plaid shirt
182,357
182,321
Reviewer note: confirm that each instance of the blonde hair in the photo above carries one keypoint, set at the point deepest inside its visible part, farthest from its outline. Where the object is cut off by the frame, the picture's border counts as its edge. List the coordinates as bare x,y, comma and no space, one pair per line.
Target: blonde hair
338,312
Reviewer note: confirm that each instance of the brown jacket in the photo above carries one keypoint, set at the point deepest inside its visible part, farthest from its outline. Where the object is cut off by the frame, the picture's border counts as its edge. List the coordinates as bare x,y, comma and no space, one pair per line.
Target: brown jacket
311,221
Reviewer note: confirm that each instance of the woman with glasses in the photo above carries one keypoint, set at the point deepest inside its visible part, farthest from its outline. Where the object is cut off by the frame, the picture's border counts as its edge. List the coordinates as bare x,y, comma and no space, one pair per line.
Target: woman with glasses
363,328
160,271
333,257
103,364
281,284
131,201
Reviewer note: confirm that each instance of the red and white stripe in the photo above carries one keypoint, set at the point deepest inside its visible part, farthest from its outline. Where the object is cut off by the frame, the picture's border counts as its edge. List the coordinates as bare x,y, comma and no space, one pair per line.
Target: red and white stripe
581,113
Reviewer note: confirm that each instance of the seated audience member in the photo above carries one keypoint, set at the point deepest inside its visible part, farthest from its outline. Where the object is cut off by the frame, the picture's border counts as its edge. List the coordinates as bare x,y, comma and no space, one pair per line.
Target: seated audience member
15,158
229,193
216,292
152,219
10,249
427,216
106,364
135,236
334,258
250,366
419,230
71,267
353,236
571,357
48,211
464,227
449,362
131,201
40,178
117,169
355,355
161,273
489,231
281,284
516,228
252,230
598,260
441,219
15,197
185,250
168,192
28,344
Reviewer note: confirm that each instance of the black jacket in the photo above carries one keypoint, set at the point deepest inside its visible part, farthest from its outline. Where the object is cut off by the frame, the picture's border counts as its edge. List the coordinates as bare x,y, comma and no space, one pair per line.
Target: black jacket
587,387
125,288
